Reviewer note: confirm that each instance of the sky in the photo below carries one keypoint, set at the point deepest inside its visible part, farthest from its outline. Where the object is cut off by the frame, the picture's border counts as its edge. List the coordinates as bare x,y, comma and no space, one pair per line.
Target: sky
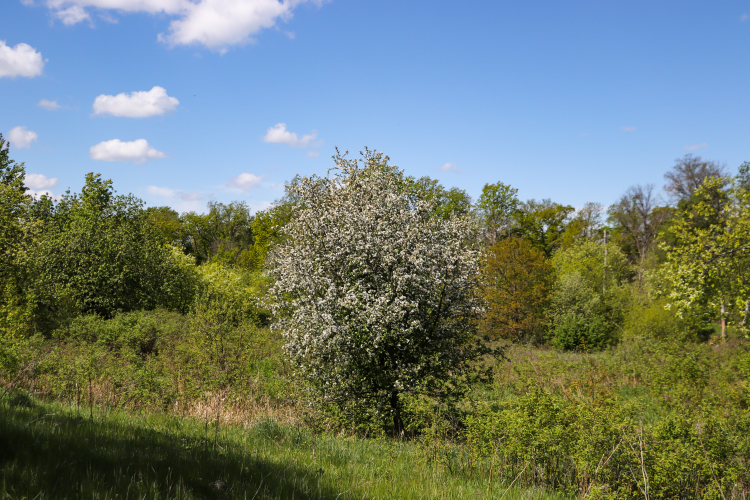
182,102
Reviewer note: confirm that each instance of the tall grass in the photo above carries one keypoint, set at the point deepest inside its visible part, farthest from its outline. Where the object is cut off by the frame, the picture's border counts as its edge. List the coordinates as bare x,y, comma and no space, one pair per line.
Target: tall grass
48,450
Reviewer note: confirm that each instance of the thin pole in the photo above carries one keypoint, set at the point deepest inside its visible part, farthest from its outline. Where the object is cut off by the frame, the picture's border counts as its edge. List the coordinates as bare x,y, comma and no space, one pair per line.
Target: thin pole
604,281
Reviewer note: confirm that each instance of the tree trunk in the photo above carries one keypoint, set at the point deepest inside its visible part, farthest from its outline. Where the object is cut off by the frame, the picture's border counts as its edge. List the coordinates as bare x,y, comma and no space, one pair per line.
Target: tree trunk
398,424
723,323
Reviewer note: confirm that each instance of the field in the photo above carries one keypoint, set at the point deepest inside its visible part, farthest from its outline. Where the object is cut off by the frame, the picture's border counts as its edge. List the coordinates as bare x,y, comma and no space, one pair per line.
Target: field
645,418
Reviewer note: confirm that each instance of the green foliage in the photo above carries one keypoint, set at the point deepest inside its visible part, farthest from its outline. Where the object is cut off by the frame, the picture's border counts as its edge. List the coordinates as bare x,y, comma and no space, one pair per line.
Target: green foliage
599,266
166,223
12,174
496,207
446,203
588,301
101,251
543,223
518,281
221,235
708,255
596,447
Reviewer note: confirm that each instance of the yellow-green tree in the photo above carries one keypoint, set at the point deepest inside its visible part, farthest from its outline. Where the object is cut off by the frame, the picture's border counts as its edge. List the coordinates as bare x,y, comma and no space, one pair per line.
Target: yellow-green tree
708,261
518,281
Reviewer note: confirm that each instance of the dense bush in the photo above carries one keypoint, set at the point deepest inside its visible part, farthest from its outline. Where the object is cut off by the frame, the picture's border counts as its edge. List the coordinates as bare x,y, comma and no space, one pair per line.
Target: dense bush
596,447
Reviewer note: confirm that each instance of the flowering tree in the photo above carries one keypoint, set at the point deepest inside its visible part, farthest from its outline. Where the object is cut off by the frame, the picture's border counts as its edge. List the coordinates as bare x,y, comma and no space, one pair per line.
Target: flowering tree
377,296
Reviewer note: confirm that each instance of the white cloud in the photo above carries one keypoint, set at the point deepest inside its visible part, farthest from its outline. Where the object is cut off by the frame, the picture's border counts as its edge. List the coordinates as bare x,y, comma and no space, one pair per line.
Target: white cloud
21,60
137,151
39,181
39,193
245,181
72,15
312,154
261,205
693,147
180,200
21,137
216,24
165,192
628,129
744,17
278,134
451,167
50,105
136,104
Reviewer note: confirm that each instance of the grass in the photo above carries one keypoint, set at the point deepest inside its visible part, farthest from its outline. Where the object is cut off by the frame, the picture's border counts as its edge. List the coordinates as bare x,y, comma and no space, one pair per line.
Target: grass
48,450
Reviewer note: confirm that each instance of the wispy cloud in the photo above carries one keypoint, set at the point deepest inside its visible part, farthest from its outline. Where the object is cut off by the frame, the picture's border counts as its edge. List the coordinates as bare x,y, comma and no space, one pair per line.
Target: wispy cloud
50,105
138,151
693,147
628,129
744,17
166,192
182,201
451,167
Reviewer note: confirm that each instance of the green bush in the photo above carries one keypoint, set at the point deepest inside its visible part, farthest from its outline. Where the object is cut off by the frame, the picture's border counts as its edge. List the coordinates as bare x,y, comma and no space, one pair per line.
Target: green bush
596,447
574,332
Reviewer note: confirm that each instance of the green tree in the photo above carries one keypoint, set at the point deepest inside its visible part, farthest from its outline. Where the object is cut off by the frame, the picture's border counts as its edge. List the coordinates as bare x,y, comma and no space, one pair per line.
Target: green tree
587,303
497,207
543,223
220,235
16,234
586,224
445,202
166,223
709,254
637,218
518,282
100,250
11,173
377,297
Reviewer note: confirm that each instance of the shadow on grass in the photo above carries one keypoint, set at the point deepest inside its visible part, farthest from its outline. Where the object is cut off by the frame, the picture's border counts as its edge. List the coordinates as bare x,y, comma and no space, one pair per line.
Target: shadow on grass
46,452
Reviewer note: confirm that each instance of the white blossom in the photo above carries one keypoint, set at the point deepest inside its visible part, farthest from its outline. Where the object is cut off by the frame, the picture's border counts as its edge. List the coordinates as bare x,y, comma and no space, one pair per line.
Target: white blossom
376,296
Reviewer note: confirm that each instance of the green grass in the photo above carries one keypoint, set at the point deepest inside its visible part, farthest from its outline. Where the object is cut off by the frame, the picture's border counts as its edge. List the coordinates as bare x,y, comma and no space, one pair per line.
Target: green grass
51,451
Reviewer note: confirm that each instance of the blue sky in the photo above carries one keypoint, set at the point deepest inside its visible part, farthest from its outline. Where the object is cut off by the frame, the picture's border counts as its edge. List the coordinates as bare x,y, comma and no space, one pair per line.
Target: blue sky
185,101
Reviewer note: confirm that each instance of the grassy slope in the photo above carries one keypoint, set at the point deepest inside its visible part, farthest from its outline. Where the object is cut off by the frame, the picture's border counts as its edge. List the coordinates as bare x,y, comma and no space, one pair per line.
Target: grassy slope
50,451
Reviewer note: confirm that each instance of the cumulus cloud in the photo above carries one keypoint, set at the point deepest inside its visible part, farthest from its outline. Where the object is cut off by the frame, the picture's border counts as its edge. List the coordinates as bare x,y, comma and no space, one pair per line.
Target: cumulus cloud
245,181
137,151
628,129
50,105
693,147
39,181
21,60
216,24
21,137
451,167
278,134
136,104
